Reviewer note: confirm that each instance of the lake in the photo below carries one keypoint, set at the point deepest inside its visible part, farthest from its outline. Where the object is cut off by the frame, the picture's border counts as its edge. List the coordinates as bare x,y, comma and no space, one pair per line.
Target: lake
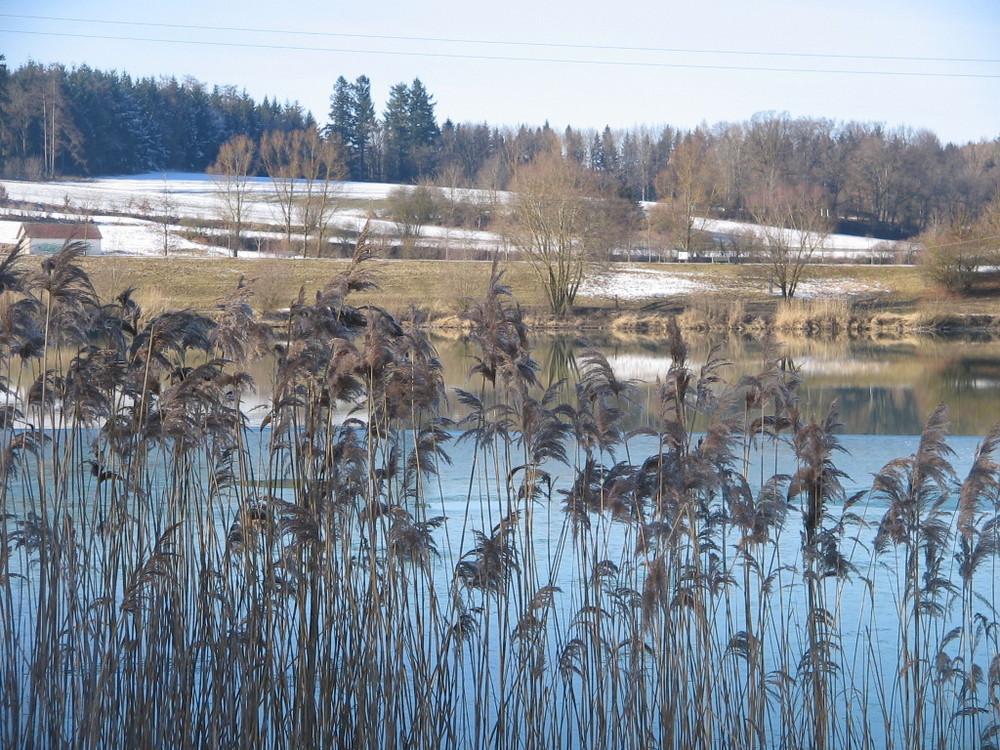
882,387
314,583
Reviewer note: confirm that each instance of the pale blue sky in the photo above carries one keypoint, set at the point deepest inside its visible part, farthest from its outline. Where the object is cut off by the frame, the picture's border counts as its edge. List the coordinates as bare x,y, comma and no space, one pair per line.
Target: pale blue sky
689,72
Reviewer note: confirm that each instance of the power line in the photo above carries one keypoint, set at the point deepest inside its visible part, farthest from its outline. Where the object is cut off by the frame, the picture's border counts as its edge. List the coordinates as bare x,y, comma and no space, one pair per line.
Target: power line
510,43
510,58
963,242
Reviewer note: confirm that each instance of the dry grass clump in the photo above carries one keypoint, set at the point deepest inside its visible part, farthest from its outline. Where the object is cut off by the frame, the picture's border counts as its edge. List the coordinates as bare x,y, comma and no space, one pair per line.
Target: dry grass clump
939,319
632,324
715,313
816,316
361,571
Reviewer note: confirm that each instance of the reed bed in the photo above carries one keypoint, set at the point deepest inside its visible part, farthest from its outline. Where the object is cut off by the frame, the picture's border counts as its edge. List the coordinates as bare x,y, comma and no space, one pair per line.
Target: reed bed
717,313
353,569
811,316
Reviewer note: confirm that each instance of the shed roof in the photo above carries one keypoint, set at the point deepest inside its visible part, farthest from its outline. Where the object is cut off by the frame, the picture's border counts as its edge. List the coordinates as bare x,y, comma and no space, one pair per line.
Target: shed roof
50,230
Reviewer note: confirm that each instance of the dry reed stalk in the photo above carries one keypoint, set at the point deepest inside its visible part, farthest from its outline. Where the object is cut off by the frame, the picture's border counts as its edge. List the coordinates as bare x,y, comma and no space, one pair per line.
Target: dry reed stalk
190,584
815,316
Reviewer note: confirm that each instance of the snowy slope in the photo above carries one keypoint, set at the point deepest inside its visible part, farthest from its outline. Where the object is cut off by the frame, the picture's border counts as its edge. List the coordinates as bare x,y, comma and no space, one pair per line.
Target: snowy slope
194,196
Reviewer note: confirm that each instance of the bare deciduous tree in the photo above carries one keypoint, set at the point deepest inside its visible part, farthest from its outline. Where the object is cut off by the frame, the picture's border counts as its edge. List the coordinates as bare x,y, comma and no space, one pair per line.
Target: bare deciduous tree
277,154
233,167
322,167
794,224
304,169
955,257
688,186
164,213
558,219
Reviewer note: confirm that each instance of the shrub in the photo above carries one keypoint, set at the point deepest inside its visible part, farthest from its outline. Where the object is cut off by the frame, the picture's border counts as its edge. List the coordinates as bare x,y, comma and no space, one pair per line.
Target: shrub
415,207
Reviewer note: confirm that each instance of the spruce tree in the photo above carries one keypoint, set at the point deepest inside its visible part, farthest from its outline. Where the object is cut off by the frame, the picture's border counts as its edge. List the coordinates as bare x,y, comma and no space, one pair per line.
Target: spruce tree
365,126
396,122
342,118
425,136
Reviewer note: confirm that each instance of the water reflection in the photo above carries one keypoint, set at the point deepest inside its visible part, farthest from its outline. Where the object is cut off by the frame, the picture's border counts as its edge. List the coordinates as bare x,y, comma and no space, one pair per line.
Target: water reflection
883,387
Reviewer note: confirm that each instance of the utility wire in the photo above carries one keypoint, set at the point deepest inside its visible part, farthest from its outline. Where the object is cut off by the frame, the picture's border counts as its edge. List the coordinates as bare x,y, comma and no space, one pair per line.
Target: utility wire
962,242
509,43
506,58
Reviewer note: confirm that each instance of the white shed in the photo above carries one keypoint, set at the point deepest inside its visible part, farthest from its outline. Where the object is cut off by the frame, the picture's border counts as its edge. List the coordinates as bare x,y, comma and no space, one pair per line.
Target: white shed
49,237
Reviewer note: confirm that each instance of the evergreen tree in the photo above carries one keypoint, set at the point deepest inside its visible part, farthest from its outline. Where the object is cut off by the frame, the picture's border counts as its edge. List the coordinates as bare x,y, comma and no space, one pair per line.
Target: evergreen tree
396,124
365,129
424,133
239,113
342,121
609,145
143,133
352,120
411,134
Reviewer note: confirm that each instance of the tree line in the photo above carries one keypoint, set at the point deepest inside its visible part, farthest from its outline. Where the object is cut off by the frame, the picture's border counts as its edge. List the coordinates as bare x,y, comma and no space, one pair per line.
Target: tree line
57,121
866,177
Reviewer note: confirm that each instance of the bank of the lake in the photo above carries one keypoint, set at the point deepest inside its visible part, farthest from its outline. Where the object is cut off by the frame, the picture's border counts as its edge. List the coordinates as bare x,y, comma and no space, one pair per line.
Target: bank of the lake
859,300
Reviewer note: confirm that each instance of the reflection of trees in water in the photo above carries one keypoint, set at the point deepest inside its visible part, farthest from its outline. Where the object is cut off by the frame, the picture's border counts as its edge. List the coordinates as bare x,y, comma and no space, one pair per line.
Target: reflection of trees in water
913,375
557,357
970,373
873,410
971,386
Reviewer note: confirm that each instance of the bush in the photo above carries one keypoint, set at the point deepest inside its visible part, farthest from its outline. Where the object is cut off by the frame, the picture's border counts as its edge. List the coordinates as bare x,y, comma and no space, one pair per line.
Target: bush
954,264
415,207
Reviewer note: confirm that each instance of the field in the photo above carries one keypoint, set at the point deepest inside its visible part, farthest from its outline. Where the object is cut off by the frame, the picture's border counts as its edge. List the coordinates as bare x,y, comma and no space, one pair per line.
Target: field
196,275
439,289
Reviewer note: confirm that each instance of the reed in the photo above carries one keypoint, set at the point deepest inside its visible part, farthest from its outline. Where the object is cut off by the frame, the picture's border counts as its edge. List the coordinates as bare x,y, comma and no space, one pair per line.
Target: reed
811,316
716,313
350,567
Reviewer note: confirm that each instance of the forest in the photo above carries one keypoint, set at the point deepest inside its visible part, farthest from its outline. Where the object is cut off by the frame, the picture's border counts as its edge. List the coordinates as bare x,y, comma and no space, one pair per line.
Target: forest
870,179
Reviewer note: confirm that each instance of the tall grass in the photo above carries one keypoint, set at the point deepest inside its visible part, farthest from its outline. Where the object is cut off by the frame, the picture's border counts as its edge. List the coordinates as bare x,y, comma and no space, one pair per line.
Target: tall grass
813,316
357,570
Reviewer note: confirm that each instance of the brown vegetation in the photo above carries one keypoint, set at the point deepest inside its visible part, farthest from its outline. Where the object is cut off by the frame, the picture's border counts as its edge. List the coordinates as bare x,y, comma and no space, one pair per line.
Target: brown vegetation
171,577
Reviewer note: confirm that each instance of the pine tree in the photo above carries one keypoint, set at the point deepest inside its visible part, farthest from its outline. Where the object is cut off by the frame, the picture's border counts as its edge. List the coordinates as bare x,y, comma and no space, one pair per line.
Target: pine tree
396,122
342,120
365,127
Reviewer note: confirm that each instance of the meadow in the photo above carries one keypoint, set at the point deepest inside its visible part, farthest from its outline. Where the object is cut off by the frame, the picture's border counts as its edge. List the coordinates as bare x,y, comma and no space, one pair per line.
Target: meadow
355,569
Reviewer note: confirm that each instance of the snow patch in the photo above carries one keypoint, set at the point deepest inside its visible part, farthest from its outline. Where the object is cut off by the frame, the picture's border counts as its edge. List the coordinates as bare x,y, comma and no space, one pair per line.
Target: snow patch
813,289
650,283
643,283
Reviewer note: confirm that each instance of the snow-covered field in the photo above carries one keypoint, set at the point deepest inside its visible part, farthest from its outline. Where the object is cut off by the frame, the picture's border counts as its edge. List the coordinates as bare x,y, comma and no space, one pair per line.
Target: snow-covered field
643,283
194,196
191,196
832,246
653,283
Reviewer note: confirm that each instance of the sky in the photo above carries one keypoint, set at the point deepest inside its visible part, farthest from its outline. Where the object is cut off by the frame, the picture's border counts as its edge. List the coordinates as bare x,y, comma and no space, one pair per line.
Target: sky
922,64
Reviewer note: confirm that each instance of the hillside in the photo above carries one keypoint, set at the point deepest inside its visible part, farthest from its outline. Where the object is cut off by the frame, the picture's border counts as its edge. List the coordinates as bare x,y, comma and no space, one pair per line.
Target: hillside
126,208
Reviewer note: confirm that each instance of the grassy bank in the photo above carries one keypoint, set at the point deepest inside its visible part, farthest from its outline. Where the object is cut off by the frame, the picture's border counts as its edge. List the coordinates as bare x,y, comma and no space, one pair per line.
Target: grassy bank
878,299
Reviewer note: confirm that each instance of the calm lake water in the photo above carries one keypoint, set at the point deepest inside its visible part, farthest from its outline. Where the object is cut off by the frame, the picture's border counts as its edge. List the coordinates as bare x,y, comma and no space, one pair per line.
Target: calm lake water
882,387
885,391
